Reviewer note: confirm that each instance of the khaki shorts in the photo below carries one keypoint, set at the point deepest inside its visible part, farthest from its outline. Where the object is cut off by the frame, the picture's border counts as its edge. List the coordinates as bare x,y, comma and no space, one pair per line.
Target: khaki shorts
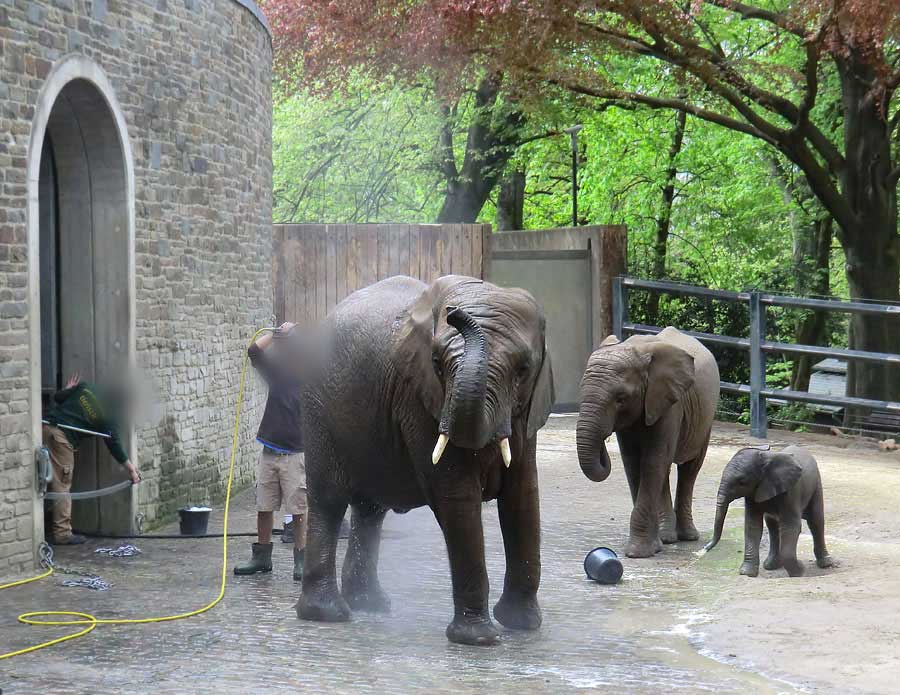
281,477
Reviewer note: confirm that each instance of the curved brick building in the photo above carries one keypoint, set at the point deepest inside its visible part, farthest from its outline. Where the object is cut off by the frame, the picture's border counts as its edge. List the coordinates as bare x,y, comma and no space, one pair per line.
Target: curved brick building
135,229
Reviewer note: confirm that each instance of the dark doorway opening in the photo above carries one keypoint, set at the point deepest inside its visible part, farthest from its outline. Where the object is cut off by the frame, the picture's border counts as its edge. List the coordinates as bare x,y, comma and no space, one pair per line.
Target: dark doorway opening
84,276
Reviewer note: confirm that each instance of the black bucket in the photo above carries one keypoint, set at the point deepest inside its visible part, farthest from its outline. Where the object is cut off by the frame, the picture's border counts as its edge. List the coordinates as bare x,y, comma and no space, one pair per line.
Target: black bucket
194,520
603,565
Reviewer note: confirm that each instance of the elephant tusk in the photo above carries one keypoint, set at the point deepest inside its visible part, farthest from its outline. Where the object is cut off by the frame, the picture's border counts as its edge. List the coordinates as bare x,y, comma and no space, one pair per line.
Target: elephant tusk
505,452
442,442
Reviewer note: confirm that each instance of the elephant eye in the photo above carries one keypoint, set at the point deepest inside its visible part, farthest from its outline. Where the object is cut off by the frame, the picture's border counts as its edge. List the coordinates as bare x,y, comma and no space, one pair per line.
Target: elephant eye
438,367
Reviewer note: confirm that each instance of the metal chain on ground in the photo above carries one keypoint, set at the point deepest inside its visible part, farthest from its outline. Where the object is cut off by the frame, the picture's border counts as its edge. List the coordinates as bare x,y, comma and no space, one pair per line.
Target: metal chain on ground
45,552
94,582
88,580
126,550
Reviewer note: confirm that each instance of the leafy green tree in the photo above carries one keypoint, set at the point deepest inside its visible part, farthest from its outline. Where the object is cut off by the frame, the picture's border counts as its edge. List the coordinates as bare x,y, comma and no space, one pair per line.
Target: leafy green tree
755,69
362,154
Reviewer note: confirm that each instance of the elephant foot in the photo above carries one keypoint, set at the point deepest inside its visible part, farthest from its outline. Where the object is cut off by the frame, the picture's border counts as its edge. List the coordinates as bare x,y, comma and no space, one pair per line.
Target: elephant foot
668,535
368,597
518,613
748,569
825,561
773,562
326,607
688,532
473,628
643,548
794,568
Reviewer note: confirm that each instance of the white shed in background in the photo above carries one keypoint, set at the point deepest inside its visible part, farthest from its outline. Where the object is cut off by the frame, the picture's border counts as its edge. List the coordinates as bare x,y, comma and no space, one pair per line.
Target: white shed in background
828,377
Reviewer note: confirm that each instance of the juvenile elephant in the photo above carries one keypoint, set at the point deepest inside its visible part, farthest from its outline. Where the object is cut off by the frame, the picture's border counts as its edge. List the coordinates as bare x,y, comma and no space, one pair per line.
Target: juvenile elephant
781,488
420,396
659,395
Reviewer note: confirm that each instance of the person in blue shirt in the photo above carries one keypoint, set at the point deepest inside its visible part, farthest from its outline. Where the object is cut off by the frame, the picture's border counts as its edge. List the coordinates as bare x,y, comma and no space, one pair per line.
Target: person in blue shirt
281,470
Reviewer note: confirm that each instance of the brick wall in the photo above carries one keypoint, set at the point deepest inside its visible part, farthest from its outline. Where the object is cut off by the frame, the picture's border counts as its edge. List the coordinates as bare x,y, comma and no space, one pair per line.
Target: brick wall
193,78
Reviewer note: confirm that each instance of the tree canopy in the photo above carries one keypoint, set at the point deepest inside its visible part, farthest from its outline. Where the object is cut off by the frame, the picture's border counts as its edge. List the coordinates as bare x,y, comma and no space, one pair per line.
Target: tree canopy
799,94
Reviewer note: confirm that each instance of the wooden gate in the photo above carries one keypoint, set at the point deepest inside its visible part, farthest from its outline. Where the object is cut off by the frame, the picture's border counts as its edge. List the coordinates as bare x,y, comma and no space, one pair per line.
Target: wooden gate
317,265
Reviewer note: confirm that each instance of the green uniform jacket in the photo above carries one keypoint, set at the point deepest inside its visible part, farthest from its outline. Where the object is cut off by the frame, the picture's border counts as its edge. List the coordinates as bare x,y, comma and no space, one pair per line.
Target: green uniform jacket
83,406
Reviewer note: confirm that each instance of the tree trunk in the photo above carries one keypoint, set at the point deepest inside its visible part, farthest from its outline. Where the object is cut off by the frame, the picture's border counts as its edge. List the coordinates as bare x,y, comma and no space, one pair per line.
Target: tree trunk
664,221
511,202
812,255
491,142
870,241
810,262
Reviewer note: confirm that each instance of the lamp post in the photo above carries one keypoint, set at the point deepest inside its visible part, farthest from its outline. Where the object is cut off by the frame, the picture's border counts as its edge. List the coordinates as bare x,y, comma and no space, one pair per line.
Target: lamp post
573,133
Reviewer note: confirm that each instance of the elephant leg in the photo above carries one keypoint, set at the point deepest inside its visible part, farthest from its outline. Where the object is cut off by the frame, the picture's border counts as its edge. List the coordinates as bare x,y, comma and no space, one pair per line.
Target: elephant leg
667,527
631,462
773,561
816,521
457,506
520,521
643,540
790,533
320,598
753,523
359,577
684,497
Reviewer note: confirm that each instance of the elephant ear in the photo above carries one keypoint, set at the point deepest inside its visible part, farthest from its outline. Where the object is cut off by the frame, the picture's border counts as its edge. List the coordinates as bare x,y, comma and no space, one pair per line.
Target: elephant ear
780,474
670,375
543,396
415,342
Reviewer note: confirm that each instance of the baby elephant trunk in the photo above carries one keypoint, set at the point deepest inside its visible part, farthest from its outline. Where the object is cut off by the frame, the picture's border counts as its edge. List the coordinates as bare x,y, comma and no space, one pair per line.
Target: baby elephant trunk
721,511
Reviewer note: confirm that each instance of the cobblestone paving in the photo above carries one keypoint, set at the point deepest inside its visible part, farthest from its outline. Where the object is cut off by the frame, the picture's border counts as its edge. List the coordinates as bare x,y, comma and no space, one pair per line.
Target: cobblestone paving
631,638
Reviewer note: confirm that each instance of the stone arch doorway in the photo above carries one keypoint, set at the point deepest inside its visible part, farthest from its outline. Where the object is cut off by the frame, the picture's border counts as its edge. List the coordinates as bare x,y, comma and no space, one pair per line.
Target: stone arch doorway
81,226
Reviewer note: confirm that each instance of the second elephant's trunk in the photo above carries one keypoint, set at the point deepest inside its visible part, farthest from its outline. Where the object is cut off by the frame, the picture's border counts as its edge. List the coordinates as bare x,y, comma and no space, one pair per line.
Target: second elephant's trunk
592,455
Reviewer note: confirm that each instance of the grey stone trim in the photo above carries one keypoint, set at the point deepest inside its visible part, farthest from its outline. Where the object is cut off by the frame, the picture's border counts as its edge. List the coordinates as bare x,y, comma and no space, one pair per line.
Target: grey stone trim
256,12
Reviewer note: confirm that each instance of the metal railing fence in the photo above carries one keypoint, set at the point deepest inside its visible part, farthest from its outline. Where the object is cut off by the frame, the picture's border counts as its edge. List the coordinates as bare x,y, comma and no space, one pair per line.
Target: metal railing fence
758,346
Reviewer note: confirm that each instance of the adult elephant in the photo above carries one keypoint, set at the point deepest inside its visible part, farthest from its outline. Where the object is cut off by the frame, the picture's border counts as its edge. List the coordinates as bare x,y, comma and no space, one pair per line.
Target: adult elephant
659,395
420,396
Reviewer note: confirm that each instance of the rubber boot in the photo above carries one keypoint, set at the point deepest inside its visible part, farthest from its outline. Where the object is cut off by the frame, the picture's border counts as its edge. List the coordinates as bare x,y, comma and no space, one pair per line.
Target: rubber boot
299,556
261,561
287,536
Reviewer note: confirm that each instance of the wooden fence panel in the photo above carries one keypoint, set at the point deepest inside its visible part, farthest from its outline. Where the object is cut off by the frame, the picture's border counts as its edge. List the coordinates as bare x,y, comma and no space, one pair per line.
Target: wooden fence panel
315,266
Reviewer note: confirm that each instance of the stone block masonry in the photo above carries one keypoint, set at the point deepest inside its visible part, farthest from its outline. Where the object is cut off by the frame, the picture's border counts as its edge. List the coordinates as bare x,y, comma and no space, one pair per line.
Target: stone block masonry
193,80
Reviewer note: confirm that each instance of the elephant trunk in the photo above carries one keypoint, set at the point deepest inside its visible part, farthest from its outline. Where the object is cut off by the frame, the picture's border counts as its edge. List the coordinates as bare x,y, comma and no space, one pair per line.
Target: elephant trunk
465,420
592,455
721,510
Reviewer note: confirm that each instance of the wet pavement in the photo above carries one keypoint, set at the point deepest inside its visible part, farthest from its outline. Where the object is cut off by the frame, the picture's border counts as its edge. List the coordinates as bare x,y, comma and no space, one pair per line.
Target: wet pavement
639,636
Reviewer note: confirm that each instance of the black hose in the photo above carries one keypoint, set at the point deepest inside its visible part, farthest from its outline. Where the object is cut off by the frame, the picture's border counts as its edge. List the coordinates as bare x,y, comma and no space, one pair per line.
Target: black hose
173,536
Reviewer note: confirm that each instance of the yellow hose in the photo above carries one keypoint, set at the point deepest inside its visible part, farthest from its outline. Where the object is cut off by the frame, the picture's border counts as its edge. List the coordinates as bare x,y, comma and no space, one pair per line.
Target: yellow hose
91,622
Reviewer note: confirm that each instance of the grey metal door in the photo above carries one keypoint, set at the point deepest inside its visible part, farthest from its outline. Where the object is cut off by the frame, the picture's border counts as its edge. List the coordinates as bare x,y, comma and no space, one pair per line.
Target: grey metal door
561,282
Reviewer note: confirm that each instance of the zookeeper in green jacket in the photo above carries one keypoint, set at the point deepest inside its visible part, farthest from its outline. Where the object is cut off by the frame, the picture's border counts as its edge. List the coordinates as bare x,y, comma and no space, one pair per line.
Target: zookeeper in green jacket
86,406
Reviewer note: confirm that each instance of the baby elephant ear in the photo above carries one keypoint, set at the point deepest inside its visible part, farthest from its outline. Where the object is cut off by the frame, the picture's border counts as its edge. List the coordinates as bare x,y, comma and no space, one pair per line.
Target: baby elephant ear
780,474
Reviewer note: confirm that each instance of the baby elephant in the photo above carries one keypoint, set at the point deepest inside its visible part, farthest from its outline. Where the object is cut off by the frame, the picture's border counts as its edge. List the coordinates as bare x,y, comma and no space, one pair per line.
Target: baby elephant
781,488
